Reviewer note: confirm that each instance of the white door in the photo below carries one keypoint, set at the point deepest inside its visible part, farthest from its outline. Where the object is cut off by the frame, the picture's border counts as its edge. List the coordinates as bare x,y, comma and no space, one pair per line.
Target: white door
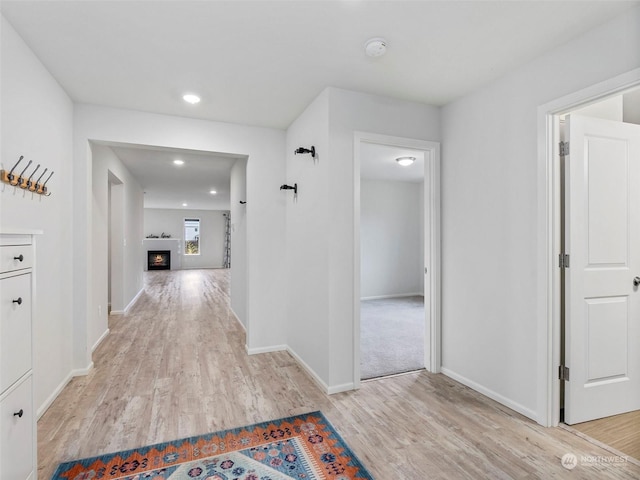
603,240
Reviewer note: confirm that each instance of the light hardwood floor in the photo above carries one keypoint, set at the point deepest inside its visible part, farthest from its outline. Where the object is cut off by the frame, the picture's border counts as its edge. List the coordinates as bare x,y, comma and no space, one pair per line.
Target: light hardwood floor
621,432
176,366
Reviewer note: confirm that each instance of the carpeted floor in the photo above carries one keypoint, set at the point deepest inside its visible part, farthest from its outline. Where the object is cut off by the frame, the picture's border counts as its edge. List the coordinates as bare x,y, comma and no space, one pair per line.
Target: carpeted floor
391,336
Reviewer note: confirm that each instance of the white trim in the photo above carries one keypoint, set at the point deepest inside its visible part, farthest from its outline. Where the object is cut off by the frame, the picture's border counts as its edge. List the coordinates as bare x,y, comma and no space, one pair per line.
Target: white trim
397,295
548,227
489,393
314,376
129,306
51,398
21,231
238,320
345,387
102,337
133,301
329,390
432,257
272,348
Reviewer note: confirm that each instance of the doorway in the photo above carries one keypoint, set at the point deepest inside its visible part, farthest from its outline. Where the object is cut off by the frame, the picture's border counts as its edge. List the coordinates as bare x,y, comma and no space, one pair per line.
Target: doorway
601,303
397,255
597,101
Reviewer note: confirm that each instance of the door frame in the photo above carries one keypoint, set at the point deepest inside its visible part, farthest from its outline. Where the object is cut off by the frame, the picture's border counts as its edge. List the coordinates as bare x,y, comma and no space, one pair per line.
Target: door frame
549,232
432,249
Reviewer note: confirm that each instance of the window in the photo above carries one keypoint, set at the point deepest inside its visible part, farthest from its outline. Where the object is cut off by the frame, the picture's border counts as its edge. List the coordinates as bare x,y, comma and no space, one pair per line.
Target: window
192,236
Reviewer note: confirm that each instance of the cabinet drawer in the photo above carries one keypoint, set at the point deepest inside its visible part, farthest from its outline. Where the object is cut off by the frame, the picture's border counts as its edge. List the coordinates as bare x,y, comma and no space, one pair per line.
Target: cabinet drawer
15,257
15,328
16,433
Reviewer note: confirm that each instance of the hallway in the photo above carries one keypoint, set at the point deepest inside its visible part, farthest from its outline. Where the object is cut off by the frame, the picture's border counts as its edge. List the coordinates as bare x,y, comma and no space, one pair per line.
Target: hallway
176,366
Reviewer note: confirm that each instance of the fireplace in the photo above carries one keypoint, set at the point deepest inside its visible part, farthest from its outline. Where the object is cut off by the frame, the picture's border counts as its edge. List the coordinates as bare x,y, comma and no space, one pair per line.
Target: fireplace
159,259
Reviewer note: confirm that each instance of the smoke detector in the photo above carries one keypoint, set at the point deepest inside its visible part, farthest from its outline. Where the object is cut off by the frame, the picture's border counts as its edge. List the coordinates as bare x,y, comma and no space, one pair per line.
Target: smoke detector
375,47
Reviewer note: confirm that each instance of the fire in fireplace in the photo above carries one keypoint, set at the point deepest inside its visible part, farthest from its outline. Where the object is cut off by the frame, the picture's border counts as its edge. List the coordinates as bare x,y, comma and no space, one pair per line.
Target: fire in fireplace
159,259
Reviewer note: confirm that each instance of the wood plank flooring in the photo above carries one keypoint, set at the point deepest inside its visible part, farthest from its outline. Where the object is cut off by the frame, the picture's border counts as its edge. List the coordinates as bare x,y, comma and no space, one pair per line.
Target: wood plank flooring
621,432
176,366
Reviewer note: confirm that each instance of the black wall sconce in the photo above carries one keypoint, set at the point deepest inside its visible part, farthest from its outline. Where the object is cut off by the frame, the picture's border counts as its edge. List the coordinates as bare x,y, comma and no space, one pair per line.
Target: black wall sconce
302,150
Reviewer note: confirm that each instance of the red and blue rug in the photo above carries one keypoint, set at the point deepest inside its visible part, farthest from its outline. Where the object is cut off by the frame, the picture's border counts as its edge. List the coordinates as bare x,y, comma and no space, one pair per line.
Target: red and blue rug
301,447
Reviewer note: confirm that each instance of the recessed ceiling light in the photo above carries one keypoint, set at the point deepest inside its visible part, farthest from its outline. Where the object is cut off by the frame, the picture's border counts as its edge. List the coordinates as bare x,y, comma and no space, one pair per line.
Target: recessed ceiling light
212,192
375,47
184,204
191,98
178,162
405,161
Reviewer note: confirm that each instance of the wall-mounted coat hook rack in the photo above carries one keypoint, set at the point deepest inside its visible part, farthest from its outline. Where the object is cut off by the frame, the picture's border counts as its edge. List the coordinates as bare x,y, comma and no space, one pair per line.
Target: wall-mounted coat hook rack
20,178
311,150
25,181
7,177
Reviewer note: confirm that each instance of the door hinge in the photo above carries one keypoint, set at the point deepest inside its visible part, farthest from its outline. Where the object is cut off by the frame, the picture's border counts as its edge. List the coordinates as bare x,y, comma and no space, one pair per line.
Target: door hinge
564,149
563,260
563,373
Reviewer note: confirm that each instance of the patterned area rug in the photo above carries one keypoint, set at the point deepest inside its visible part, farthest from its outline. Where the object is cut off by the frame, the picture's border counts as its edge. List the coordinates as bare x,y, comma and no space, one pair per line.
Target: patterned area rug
301,447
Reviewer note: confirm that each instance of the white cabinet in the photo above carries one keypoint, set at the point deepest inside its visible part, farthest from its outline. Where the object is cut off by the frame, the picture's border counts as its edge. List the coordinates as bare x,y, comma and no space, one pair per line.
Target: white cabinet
17,415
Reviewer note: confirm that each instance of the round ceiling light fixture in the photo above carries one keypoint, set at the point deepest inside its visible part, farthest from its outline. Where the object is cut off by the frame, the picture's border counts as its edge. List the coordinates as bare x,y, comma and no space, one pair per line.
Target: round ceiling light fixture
177,161
375,47
191,98
405,161
212,192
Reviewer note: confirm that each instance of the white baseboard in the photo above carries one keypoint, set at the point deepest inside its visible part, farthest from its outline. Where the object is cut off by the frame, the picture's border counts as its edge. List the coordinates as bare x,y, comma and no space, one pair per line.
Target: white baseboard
51,398
329,390
133,300
397,295
102,337
527,412
272,348
128,307
345,387
314,376
238,320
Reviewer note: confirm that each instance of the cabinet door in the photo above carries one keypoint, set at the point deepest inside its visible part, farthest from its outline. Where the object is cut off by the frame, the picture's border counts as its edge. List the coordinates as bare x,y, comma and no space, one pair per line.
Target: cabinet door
16,433
15,329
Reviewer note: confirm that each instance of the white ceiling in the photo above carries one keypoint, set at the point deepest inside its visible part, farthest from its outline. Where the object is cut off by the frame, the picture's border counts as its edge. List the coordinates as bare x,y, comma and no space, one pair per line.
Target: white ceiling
169,186
262,62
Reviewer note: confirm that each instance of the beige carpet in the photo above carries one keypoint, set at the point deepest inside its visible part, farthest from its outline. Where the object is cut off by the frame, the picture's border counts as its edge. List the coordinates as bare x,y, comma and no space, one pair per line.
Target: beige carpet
391,336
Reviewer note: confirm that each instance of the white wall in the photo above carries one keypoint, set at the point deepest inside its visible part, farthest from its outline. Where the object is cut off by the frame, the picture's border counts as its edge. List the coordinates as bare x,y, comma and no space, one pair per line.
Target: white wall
264,148
171,222
308,222
494,303
127,208
36,119
349,112
392,252
320,227
239,265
